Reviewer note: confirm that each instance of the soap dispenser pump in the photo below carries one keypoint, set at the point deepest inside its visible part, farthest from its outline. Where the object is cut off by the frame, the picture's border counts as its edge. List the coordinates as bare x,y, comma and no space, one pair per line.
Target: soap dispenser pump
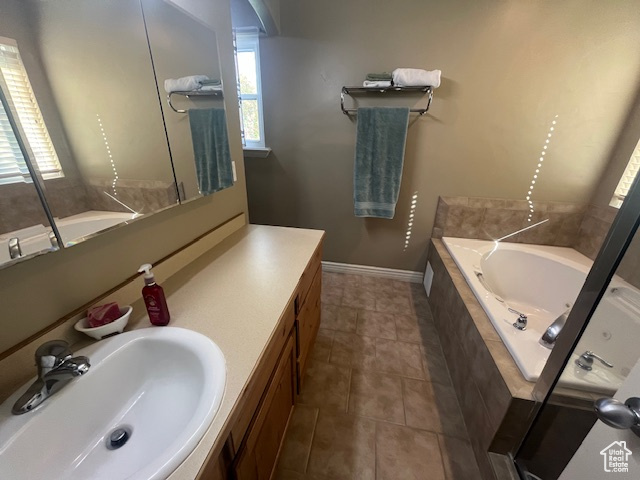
154,299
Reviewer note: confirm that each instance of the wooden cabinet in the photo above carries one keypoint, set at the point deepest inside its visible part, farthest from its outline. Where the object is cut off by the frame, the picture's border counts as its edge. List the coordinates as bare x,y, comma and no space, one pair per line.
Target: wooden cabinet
258,456
259,423
307,325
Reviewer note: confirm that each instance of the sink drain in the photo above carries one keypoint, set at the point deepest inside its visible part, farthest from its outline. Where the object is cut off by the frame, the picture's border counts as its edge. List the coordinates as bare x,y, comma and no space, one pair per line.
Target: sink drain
118,437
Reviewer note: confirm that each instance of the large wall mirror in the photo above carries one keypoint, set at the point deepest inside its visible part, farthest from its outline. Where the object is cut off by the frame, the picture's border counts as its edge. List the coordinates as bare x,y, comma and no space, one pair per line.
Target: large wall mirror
83,103
183,47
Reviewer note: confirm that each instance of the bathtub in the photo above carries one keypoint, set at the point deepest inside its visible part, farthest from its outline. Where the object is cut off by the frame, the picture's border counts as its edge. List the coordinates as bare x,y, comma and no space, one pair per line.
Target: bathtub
543,282
76,227
73,229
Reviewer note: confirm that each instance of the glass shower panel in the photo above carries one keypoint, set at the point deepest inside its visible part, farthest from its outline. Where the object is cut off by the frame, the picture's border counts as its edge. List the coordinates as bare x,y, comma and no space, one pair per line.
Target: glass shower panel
602,359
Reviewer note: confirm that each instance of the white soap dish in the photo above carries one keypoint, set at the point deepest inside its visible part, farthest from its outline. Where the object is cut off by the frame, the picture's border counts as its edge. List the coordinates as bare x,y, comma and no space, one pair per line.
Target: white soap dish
117,326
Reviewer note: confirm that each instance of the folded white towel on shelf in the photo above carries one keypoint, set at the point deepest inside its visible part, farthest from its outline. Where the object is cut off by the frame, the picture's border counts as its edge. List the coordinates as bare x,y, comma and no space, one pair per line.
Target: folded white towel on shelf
184,84
211,88
376,84
414,77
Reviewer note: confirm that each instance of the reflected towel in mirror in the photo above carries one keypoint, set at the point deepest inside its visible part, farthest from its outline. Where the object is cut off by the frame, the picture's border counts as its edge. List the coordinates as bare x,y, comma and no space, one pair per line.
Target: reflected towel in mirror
211,149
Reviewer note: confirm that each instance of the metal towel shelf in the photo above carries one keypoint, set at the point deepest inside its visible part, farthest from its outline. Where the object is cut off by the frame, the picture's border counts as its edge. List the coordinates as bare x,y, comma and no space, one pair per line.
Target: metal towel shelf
360,90
193,93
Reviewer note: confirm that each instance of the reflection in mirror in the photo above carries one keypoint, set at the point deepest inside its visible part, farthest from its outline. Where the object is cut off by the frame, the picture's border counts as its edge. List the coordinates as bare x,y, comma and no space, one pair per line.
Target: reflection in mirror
185,57
83,89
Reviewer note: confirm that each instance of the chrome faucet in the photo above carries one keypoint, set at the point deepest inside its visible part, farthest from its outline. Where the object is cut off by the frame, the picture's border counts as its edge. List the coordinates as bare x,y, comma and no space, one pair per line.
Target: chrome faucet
14,248
521,321
585,361
56,367
54,241
551,335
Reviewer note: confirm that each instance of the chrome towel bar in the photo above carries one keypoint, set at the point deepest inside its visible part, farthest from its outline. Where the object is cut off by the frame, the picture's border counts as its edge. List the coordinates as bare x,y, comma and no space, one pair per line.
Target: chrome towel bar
193,93
393,89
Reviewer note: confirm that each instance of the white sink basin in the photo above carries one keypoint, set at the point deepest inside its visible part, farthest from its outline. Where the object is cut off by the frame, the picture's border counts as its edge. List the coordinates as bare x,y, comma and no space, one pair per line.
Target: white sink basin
164,384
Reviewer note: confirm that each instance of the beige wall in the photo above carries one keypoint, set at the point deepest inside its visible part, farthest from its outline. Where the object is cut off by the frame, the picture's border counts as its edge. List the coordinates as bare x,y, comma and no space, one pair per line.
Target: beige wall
508,68
35,293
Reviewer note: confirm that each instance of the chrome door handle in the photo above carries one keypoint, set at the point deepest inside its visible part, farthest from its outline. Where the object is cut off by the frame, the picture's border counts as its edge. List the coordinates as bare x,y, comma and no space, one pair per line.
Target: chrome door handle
619,415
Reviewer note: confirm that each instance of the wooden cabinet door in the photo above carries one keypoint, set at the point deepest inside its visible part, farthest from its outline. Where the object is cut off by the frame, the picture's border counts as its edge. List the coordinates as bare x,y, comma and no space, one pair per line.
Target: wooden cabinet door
307,325
258,456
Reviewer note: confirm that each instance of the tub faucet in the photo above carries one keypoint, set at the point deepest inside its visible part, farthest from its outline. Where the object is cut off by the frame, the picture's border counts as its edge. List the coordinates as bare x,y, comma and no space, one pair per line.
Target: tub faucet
585,361
53,240
56,367
14,248
521,321
549,338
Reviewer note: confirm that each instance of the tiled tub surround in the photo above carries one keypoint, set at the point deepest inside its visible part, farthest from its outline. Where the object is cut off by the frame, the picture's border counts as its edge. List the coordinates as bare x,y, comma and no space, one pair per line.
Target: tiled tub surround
495,399
575,225
377,402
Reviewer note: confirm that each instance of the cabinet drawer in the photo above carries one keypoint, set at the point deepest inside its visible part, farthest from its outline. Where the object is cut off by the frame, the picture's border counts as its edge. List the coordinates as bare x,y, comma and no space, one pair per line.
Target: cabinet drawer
259,453
255,390
304,285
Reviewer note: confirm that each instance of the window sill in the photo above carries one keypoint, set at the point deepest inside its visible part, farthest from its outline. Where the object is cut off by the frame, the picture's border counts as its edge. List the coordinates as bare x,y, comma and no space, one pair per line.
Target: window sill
256,152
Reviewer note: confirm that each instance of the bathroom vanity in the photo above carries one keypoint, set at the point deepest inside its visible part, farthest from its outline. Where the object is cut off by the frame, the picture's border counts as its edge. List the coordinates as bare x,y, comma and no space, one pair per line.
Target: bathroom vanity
256,292
260,291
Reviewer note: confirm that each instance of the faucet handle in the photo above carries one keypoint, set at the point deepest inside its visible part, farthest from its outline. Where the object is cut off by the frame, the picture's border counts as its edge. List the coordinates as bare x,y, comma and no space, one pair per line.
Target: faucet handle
51,354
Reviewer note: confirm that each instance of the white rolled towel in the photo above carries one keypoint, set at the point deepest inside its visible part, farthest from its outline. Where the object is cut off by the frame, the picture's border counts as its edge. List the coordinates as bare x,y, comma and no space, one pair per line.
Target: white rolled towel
376,84
414,77
184,84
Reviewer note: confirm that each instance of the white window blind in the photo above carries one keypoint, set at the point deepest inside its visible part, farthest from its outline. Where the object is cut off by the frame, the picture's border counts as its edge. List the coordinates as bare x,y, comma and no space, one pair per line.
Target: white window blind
24,107
627,179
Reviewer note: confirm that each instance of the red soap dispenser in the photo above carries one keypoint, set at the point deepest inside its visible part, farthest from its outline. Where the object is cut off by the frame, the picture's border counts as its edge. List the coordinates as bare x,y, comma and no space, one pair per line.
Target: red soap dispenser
154,298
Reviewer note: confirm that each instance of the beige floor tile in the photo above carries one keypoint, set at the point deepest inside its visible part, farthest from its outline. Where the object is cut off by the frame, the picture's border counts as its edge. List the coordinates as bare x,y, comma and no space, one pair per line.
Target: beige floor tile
331,299
297,443
336,317
353,350
400,358
433,407
322,347
434,365
376,324
458,459
393,302
283,474
326,386
343,448
416,330
376,395
407,454
359,297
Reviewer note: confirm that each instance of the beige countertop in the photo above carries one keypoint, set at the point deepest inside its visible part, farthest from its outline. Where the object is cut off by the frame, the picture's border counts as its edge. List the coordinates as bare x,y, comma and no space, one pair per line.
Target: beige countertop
235,295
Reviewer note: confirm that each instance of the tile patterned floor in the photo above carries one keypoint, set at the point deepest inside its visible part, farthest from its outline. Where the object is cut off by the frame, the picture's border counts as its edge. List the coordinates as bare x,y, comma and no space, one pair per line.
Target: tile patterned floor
377,403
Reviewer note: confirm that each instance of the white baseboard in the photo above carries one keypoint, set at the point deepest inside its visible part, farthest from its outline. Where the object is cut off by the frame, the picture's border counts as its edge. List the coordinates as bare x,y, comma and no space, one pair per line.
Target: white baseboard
391,273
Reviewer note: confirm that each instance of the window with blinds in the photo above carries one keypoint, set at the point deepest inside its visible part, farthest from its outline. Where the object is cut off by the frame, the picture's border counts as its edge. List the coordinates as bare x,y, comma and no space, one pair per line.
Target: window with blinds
26,113
627,179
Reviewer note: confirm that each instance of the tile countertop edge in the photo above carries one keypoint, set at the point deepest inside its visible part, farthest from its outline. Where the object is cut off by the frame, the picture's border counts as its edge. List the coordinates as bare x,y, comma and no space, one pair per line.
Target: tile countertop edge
235,294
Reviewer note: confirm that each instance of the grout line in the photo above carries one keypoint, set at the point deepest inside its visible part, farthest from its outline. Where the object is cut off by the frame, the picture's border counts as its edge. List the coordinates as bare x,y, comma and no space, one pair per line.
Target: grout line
375,450
404,408
313,435
444,469
349,390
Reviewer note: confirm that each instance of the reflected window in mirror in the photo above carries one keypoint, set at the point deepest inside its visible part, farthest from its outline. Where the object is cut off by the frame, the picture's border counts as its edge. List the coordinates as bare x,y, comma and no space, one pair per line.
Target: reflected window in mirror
250,87
627,178
14,82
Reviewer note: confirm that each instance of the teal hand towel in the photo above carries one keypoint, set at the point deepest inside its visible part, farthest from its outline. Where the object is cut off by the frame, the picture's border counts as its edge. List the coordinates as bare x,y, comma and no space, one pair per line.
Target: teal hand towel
380,140
211,149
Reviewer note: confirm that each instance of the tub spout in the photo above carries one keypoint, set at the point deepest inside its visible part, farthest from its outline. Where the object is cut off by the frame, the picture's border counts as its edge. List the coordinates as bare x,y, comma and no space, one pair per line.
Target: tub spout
549,338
